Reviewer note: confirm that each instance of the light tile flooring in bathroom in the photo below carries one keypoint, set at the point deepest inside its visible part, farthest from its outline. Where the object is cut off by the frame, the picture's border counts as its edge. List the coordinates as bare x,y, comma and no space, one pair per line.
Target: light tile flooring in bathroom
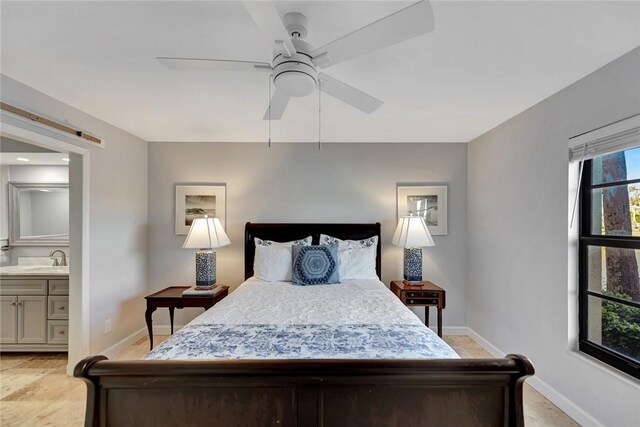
35,391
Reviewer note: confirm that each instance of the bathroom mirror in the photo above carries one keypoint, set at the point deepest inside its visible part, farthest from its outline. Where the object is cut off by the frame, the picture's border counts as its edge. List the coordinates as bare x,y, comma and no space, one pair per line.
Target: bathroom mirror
38,214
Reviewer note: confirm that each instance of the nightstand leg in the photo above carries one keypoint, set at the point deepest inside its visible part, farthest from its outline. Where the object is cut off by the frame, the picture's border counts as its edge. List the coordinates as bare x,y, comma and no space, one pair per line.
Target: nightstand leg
171,309
440,322
426,316
148,318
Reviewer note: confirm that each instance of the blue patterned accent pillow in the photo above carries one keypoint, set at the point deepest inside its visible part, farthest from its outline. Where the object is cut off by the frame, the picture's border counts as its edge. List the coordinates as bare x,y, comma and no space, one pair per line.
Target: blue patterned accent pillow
315,265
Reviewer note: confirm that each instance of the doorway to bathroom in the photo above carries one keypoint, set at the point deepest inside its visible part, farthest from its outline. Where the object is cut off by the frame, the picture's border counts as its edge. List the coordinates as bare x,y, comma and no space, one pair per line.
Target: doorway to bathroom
44,246
34,242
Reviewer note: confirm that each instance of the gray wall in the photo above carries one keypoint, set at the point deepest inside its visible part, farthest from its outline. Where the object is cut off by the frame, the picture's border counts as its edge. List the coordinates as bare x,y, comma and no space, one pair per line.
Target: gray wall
117,216
299,183
519,296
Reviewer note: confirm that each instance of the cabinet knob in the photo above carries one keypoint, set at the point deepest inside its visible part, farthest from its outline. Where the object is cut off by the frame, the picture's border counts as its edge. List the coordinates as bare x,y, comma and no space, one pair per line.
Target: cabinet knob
411,301
62,307
61,332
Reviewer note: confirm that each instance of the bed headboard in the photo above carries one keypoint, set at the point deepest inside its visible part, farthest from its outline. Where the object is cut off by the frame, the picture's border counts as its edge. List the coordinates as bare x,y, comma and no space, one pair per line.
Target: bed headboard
288,232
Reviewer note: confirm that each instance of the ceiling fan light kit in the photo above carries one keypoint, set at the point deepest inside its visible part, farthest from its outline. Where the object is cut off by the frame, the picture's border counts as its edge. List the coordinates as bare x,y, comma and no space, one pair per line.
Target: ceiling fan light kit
296,75
295,63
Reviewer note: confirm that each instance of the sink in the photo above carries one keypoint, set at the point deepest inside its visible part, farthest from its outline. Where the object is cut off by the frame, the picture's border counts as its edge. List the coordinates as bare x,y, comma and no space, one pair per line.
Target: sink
42,270
32,261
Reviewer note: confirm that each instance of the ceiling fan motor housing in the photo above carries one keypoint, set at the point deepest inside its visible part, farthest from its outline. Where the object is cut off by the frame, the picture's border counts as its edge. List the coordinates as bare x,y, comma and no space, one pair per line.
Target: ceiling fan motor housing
296,25
296,75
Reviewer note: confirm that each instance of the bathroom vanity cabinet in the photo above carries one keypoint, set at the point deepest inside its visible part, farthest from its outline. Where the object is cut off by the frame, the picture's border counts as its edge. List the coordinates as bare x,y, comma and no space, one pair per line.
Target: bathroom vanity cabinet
34,312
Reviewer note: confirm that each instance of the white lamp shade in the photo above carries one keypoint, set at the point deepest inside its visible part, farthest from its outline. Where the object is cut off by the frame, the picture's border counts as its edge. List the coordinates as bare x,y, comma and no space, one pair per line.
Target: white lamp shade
206,233
412,232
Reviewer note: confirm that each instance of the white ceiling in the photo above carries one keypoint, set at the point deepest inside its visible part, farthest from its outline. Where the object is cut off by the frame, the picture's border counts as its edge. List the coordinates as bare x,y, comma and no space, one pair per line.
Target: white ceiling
484,63
33,159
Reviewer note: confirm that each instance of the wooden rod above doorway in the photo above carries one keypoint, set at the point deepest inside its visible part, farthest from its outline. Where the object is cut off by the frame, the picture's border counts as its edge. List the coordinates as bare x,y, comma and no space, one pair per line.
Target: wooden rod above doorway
42,120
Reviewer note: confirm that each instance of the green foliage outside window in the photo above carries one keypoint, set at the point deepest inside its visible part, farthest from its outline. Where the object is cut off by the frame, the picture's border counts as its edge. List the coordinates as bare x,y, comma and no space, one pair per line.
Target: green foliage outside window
621,326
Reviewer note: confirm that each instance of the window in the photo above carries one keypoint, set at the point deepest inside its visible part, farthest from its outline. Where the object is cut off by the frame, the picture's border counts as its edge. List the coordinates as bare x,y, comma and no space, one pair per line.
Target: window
609,295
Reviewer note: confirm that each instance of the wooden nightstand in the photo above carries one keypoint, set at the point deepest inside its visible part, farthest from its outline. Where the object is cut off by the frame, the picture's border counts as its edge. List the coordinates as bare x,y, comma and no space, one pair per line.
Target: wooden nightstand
427,295
172,298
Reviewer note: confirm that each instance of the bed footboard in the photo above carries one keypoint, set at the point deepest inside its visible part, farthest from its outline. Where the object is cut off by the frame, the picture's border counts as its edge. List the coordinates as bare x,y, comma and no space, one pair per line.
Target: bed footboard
452,392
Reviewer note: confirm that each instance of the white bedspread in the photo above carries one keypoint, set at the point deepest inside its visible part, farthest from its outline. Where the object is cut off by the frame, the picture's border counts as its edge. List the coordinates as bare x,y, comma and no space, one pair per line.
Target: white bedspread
281,303
354,319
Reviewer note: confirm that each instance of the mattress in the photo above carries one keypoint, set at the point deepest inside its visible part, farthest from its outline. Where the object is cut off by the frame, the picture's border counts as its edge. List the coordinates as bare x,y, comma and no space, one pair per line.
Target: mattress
356,319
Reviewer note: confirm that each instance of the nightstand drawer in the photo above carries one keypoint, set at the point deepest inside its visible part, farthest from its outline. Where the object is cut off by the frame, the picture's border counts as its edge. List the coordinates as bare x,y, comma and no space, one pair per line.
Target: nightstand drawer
422,294
421,301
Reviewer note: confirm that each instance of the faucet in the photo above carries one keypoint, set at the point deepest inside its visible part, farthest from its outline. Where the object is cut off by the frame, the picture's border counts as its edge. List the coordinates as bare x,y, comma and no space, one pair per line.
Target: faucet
56,263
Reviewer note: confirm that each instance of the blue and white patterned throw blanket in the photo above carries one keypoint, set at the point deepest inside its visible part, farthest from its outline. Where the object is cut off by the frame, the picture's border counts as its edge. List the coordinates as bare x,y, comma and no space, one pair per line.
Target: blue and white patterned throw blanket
307,341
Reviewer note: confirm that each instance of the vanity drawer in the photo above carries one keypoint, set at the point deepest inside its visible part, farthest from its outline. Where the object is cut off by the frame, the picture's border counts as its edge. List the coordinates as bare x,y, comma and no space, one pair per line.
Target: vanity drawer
23,287
58,307
58,332
58,287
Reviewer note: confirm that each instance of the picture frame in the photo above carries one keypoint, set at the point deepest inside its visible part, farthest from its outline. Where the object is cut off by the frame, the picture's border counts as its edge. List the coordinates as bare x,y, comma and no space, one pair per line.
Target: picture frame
428,201
198,200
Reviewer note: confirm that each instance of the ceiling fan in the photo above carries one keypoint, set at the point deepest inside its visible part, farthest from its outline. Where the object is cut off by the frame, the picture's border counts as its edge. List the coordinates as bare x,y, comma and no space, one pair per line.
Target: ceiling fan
295,63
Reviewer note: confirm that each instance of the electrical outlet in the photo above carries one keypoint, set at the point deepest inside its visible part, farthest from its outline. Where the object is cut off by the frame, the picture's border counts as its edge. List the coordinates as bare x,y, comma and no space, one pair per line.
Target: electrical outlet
107,326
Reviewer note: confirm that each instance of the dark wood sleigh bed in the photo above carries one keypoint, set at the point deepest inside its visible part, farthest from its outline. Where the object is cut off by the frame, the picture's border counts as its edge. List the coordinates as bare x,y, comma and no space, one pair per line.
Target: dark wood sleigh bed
394,392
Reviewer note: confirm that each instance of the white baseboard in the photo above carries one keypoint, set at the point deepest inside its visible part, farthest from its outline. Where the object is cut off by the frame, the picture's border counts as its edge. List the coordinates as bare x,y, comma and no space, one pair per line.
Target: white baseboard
558,399
482,342
113,351
561,401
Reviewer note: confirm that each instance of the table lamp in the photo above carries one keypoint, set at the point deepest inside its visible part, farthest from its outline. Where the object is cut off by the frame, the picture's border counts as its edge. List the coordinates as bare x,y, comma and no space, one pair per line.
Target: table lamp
206,234
412,234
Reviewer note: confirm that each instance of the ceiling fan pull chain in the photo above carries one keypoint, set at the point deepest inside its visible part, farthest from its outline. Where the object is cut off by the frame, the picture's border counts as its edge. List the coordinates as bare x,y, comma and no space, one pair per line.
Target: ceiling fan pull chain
269,82
319,113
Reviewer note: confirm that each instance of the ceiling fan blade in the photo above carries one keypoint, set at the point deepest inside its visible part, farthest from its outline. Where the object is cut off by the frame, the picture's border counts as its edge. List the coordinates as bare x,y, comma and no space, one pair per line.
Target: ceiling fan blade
279,102
264,14
348,94
212,64
405,24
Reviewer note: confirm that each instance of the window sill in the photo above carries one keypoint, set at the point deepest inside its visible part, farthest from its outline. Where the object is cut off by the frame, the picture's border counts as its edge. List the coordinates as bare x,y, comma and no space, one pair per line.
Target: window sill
620,375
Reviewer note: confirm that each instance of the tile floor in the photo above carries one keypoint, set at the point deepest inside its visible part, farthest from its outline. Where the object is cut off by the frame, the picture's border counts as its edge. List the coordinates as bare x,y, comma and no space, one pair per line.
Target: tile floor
35,391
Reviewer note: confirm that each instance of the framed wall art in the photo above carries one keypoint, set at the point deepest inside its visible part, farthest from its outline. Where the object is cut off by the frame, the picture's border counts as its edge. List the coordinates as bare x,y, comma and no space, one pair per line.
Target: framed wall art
429,202
196,201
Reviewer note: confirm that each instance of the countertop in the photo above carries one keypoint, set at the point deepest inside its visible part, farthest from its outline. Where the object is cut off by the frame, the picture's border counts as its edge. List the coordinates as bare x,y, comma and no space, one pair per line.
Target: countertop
33,270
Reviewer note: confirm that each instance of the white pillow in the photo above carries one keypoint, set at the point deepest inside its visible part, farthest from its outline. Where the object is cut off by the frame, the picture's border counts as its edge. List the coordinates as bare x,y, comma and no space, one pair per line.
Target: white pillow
356,258
272,261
